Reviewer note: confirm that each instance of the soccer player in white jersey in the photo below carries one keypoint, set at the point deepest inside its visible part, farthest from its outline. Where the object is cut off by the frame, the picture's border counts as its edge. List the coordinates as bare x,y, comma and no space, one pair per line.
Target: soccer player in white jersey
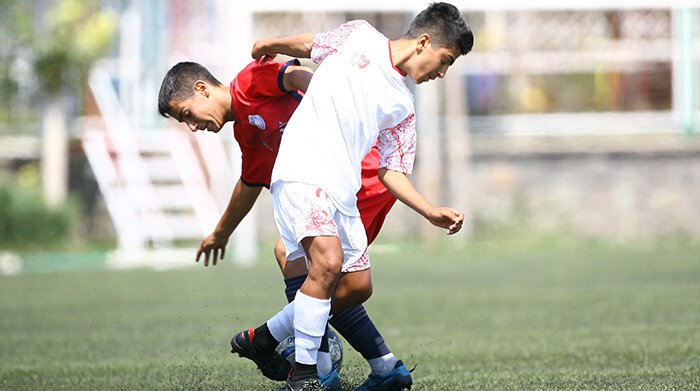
259,101
357,97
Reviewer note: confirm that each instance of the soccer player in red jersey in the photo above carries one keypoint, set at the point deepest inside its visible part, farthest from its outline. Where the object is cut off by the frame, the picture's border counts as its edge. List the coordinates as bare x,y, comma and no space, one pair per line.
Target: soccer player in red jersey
260,100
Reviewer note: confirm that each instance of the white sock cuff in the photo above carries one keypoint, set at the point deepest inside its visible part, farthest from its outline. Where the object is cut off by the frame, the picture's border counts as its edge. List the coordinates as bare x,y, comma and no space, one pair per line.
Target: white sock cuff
306,348
384,364
311,314
281,325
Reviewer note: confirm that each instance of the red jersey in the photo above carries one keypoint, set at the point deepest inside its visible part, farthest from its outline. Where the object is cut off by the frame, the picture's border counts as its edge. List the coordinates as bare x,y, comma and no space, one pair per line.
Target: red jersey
261,108
374,201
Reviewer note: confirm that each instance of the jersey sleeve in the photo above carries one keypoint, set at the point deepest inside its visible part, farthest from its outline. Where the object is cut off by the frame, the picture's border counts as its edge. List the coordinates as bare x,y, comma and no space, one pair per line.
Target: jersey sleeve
397,146
325,44
261,80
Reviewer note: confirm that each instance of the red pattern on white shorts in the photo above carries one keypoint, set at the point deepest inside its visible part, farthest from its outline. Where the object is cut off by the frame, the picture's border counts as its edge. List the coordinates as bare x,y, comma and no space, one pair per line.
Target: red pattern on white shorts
318,221
361,264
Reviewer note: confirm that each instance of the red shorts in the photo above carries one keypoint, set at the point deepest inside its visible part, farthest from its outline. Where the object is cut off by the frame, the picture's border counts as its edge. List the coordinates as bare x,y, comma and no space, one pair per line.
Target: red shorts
373,200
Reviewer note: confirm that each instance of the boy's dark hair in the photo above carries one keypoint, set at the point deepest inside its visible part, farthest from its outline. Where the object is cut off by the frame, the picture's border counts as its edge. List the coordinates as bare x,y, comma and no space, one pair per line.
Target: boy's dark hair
445,25
177,84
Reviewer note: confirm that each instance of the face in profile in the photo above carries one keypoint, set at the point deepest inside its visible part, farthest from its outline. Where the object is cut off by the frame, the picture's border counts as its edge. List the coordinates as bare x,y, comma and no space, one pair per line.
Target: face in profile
431,62
199,111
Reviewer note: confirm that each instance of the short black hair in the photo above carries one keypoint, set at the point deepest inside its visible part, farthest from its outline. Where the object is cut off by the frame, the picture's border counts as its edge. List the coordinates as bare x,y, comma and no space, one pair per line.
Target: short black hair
177,84
445,25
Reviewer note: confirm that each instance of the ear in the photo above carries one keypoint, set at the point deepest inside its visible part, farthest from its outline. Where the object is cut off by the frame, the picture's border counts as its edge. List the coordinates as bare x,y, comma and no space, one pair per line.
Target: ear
422,42
200,87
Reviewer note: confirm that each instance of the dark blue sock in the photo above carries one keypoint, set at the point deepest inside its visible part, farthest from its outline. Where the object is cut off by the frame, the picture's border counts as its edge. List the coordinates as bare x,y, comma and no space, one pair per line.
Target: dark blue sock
357,328
324,342
292,285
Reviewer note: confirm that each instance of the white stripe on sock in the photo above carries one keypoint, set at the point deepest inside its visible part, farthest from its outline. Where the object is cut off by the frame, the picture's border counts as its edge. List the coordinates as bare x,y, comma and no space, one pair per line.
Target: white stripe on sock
383,365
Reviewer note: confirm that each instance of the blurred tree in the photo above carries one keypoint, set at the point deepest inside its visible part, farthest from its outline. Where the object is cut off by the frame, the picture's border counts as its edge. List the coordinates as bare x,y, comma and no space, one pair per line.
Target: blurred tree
75,33
15,41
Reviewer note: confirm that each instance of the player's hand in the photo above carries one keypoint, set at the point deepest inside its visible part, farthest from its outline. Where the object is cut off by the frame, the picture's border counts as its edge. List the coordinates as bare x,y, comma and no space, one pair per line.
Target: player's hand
448,218
213,247
261,53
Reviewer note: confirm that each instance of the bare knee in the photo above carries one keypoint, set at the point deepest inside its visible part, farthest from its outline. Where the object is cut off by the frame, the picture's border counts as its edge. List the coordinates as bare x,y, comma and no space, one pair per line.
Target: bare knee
353,289
325,262
327,265
365,293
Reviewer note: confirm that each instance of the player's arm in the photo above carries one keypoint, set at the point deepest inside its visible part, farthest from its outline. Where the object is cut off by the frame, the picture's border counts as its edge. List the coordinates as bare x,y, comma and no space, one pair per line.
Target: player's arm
294,46
297,78
242,200
401,187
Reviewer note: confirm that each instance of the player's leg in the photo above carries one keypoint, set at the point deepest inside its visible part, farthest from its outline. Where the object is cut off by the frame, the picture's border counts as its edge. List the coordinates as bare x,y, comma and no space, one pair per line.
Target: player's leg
352,290
258,344
354,324
312,304
295,273
301,211
289,268
306,218
351,236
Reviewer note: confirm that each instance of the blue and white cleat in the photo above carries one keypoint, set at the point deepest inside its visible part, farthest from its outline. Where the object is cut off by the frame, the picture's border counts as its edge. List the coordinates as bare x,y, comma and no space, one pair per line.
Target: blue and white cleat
398,379
331,381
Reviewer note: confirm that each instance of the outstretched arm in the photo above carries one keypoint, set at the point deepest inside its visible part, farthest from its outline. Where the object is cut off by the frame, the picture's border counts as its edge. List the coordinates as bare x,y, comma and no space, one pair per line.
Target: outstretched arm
399,185
294,46
242,200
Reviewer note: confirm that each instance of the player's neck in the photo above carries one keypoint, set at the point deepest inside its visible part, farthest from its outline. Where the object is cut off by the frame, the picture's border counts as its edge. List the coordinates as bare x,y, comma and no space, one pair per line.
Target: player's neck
401,51
223,97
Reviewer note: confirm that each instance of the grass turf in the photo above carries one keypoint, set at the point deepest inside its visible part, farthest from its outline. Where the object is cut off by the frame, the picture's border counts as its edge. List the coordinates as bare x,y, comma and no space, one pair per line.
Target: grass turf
491,316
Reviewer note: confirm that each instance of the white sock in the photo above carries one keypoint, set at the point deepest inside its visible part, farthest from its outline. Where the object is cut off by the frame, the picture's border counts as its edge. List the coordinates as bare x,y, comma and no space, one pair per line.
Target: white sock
324,364
282,324
383,365
310,321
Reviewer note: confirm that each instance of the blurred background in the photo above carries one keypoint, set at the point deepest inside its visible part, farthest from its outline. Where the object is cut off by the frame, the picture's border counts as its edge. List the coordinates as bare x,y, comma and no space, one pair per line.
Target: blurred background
567,118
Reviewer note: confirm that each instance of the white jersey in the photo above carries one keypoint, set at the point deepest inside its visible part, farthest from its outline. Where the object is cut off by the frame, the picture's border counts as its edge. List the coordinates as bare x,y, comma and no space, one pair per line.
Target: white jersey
356,99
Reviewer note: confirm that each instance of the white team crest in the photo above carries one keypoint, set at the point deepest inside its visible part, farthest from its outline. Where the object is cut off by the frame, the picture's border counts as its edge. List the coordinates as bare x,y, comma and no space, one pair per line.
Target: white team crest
257,121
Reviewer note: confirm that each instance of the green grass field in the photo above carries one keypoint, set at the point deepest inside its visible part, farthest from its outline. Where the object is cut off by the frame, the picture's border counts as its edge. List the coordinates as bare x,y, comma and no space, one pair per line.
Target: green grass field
492,316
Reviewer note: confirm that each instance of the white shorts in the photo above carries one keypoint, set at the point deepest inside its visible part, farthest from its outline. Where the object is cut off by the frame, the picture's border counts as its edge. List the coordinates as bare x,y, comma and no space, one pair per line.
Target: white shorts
302,210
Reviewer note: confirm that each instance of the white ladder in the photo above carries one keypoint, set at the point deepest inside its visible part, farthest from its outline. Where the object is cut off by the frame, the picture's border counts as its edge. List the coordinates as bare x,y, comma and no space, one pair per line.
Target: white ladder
154,185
